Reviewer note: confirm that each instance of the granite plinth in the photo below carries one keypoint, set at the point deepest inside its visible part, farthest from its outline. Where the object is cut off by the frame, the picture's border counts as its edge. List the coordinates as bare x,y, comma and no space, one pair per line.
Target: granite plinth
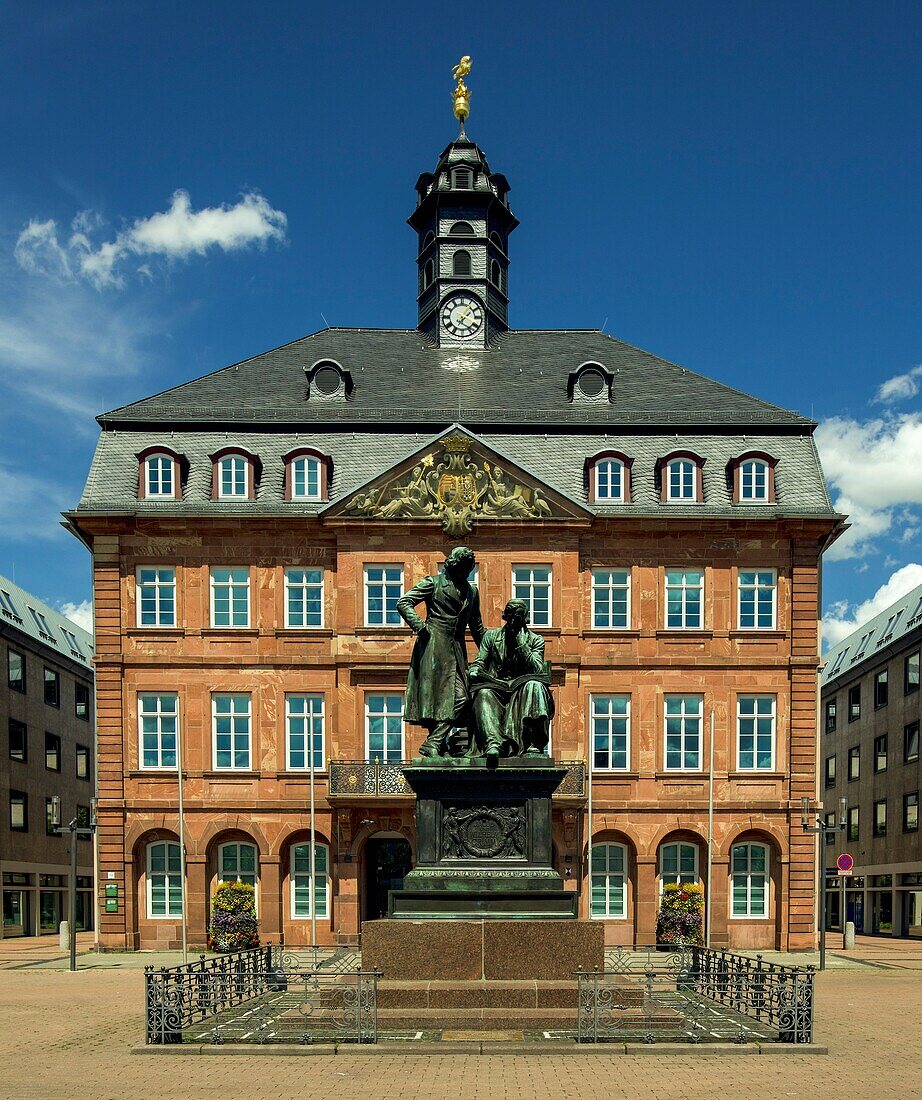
489,950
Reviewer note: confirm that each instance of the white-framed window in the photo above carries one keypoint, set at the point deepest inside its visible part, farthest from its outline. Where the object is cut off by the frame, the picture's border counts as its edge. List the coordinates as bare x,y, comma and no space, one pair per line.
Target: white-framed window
681,478
683,732
302,896
164,880
230,719
684,599
749,880
608,887
383,588
610,717
755,732
158,729
230,596
754,481
306,478
158,476
304,732
156,596
678,862
238,862
233,477
609,479
303,598
611,599
532,583
758,599
384,735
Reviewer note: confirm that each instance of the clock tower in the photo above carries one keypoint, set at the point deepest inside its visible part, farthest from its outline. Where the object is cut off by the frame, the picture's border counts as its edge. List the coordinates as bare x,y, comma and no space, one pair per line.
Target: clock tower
463,221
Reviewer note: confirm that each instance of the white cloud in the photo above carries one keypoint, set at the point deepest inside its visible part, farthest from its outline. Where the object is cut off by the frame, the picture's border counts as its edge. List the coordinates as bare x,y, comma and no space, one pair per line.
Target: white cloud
79,613
174,234
840,620
38,251
876,468
900,387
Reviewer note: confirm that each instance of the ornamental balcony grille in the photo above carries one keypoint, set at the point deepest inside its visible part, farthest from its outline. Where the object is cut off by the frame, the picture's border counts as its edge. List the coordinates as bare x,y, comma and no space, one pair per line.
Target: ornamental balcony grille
371,778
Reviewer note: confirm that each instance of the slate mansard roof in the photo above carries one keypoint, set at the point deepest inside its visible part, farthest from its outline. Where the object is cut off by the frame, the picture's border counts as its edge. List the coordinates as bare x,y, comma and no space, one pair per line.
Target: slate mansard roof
852,656
399,375
16,607
405,392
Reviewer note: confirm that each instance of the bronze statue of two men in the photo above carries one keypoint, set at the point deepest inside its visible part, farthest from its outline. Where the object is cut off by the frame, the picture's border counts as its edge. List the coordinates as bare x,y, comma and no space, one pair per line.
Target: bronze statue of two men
499,706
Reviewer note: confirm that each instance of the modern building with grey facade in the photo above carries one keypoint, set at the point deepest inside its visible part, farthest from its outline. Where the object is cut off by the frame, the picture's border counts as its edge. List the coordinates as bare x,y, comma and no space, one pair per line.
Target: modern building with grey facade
47,720
871,709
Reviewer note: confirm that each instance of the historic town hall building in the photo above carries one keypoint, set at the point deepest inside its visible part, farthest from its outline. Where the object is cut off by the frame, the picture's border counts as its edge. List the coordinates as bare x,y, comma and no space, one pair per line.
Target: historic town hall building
252,530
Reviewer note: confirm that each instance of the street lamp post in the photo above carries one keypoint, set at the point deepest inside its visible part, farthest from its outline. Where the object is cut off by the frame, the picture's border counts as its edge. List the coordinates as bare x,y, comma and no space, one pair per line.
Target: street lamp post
76,830
823,831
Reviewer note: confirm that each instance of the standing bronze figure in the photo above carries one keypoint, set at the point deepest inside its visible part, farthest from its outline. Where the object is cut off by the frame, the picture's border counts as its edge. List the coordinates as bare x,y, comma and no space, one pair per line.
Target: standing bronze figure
510,689
437,683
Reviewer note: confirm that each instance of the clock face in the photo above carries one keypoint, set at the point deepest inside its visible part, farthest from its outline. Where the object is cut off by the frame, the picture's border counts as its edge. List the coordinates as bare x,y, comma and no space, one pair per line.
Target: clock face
462,315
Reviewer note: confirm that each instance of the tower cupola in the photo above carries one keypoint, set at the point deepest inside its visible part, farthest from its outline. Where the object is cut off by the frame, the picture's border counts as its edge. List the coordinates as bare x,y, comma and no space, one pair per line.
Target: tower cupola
463,222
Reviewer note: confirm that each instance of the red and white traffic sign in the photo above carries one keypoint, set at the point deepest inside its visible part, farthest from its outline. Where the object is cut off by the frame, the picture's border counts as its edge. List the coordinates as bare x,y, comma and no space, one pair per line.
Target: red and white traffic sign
845,863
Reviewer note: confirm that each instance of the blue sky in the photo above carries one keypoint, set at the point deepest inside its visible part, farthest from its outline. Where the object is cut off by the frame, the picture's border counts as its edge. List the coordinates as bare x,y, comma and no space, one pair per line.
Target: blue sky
733,187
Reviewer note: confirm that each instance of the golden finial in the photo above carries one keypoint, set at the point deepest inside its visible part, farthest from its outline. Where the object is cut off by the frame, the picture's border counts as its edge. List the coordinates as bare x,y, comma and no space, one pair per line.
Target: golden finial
461,95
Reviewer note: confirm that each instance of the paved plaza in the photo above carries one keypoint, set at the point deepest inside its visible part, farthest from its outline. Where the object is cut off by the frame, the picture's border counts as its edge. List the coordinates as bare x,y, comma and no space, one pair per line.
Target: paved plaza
73,1034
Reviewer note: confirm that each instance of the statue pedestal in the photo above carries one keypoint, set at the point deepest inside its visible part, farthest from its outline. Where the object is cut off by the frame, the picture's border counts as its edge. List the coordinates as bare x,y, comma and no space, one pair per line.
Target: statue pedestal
483,842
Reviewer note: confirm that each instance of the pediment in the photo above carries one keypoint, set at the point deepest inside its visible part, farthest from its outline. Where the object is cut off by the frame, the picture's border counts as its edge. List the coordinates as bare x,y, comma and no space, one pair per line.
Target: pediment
457,480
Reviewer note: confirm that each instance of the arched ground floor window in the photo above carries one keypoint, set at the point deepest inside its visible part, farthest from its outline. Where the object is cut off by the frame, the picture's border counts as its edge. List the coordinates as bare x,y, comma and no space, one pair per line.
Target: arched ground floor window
164,879
749,867
608,888
305,901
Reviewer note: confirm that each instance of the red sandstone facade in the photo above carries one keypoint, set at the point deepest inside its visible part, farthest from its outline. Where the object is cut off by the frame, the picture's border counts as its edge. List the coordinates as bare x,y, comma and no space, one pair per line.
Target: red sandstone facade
642,808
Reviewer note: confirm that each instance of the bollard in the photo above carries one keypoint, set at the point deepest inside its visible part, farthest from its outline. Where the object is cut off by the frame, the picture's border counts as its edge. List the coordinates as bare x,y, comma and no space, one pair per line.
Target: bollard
64,936
849,935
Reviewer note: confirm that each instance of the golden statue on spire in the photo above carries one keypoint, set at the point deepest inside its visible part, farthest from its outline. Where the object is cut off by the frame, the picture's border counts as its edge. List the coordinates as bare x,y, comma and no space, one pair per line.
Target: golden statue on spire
461,95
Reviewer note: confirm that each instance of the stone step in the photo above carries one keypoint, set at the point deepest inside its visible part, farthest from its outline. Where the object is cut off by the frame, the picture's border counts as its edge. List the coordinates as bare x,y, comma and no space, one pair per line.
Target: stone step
494,994
502,1019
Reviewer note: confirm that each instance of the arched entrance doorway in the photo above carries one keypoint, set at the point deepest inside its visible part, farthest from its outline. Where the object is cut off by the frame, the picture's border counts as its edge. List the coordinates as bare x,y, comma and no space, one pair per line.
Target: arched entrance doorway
387,860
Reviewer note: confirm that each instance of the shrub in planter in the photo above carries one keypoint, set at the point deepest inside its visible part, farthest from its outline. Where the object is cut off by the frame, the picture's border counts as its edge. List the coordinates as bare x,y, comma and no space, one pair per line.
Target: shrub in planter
681,914
233,918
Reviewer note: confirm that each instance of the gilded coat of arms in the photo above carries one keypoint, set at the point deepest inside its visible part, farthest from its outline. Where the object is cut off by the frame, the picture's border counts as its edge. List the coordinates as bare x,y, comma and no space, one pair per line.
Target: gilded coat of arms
458,488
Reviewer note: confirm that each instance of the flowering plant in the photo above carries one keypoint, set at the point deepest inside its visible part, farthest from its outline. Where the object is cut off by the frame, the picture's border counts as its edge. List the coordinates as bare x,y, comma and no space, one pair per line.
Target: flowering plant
681,912
233,918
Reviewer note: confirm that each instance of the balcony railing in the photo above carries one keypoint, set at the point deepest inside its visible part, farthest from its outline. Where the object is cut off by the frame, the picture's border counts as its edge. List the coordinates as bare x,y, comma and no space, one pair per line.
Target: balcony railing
369,777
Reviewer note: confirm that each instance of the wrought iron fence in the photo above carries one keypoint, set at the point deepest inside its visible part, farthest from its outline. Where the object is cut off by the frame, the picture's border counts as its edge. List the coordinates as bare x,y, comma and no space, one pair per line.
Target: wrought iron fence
264,995
370,777
693,994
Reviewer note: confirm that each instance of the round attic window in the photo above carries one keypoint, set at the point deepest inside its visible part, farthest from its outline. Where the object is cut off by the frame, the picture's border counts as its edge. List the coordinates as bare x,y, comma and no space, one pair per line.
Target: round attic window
591,382
327,379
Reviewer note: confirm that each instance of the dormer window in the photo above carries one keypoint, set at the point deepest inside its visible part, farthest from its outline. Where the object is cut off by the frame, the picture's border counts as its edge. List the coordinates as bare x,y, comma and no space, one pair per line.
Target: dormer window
233,475
609,478
462,229
681,478
461,262
590,382
159,476
327,379
462,179
306,475
754,479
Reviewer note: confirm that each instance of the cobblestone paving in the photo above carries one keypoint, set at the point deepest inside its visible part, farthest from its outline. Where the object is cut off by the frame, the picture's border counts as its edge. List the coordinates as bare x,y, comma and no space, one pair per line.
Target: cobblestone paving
67,1035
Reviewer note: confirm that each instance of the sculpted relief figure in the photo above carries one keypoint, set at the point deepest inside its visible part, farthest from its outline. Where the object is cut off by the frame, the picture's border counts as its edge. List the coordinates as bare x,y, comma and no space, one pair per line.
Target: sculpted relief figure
437,683
510,689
